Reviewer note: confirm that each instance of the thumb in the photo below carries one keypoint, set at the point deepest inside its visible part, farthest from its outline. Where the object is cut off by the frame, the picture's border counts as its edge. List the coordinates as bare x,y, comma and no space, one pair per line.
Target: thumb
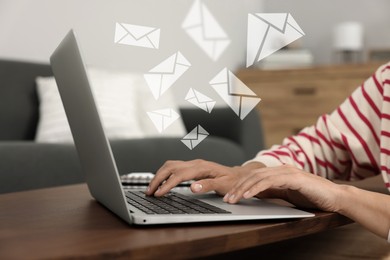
203,186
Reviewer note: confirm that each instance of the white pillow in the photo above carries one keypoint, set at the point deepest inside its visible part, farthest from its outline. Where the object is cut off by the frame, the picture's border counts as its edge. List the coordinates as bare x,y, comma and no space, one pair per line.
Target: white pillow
122,101
116,101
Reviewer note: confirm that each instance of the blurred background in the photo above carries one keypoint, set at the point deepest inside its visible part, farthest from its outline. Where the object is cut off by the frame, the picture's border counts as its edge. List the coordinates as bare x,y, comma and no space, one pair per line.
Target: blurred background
337,33
30,30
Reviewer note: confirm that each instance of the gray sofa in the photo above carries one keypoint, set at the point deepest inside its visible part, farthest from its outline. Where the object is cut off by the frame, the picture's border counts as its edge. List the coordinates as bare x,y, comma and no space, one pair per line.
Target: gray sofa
26,164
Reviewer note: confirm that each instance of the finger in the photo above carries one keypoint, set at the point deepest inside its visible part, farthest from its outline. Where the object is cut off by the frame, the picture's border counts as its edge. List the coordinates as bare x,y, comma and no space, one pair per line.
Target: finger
260,187
272,182
236,193
176,177
203,186
272,177
231,192
183,174
163,174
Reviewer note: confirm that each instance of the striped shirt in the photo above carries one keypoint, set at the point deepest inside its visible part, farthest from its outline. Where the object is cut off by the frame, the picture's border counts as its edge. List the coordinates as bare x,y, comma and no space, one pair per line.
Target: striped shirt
351,143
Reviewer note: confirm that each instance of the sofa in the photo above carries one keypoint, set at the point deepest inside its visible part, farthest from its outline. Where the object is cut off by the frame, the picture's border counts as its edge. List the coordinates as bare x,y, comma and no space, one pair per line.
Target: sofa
26,164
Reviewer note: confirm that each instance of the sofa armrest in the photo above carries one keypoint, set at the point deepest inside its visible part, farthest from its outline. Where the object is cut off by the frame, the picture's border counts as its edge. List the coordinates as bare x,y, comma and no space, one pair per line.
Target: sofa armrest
30,165
224,123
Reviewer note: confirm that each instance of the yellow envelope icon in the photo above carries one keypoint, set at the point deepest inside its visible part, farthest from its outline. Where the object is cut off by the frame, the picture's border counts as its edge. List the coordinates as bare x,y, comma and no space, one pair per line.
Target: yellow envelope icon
195,137
136,35
204,29
235,93
268,33
200,100
163,118
164,75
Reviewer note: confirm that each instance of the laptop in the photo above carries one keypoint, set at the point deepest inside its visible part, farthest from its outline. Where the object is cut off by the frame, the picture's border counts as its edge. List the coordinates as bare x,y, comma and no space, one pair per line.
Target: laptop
101,173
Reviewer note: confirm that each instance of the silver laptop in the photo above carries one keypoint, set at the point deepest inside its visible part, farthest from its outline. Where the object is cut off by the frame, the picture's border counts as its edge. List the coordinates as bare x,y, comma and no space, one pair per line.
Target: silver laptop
101,173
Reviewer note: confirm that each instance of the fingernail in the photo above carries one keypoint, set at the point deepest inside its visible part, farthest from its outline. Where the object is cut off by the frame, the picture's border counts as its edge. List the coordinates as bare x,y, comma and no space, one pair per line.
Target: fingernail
198,187
231,198
246,194
148,189
226,197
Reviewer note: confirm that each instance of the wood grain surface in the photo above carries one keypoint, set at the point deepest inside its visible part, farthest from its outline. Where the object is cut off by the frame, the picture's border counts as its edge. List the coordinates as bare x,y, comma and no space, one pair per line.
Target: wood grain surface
65,222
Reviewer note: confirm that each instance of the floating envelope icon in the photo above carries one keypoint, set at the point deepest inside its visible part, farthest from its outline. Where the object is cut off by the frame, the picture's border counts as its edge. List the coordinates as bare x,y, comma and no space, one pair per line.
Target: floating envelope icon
234,92
268,33
164,75
163,118
200,100
137,35
195,137
204,29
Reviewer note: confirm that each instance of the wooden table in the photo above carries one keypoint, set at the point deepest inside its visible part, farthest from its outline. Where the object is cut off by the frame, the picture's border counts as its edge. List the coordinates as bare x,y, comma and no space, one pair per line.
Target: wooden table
65,222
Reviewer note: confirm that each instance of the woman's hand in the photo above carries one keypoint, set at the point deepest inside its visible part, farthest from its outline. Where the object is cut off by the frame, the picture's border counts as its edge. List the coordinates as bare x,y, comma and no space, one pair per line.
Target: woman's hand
370,209
289,183
210,176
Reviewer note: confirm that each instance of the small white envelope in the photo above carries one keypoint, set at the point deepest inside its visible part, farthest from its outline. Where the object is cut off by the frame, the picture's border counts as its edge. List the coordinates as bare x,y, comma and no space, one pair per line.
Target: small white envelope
163,118
200,100
204,29
195,137
268,33
164,75
137,35
235,93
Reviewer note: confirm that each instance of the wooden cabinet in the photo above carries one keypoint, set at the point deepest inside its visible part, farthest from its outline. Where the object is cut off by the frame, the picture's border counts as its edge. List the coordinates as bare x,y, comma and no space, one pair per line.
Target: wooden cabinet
293,99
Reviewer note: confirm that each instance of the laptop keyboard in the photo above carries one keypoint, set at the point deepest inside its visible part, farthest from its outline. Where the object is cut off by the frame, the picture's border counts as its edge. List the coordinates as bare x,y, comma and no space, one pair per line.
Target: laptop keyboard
172,203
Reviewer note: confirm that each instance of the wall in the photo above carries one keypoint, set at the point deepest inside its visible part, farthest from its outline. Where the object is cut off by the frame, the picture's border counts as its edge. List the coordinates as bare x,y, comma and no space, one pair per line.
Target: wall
30,30
318,18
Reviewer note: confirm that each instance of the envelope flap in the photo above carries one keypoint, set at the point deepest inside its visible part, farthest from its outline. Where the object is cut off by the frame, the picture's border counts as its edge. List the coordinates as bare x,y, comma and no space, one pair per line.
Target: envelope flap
193,135
202,131
180,59
220,78
164,112
194,16
138,31
211,28
237,87
202,98
291,21
276,20
120,32
190,94
167,65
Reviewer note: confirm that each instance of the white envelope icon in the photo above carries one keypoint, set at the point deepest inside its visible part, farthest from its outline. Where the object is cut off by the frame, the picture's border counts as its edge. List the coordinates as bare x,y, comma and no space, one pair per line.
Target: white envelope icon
268,33
204,29
137,35
195,137
235,93
164,75
200,100
163,118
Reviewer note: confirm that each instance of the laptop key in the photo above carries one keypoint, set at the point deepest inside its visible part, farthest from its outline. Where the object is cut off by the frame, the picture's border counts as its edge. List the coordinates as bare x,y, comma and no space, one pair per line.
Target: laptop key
173,203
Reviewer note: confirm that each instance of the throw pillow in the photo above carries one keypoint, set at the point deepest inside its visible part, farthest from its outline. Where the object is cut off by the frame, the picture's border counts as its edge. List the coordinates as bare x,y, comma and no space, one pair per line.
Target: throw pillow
115,95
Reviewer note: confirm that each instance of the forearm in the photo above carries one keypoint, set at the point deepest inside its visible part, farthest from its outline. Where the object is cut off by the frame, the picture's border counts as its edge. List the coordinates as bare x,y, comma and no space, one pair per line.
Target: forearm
370,209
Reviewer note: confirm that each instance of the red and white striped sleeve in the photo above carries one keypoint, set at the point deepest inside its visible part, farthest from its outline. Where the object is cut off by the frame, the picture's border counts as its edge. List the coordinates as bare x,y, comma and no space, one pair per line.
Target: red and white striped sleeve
343,145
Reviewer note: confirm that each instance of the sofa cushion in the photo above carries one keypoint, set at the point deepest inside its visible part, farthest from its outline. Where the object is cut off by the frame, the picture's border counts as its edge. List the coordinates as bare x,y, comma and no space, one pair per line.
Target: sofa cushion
18,99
